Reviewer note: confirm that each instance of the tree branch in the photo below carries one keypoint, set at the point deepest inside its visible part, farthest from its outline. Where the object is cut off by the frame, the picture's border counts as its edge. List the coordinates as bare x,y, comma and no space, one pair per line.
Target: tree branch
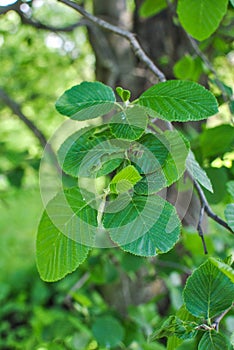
220,317
207,208
136,47
16,109
39,25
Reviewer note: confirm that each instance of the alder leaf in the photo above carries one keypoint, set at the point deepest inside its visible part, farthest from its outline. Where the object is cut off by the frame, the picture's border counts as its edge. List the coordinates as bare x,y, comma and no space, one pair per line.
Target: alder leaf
213,341
129,124
201,18
65,234
91,152
178,100
144,226
87,100
208,291
152,7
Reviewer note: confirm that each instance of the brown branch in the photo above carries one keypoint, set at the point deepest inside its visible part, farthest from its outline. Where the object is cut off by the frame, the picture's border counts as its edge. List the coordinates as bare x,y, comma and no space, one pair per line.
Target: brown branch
136,47
200,230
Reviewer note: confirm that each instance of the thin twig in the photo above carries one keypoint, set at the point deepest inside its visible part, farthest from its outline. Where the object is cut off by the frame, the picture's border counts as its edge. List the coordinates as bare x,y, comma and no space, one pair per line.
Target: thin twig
137,49
220,317
206,206
77,285
39,25
200,230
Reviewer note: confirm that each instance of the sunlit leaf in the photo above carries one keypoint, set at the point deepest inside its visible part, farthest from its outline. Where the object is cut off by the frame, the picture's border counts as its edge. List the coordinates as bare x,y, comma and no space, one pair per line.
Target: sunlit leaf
152,7
201,18
178,100
226,269
125,179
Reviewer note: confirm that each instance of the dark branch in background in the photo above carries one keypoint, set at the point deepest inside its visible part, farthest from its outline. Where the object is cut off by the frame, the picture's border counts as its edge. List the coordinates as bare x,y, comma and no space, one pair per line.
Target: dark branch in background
16,109
207,208
39,25
136,47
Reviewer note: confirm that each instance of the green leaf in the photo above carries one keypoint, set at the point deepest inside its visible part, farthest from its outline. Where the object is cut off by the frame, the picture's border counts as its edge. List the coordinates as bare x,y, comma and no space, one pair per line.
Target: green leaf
149,153
216,141
123,94
64,239
229,215
226,269
201,18
208,291
91,152
86,101
188,68
212,341
230,188
125,180
144,226
129,124
152,7
183,314
177,100
232,2
197,172
108,331
174,326
172,169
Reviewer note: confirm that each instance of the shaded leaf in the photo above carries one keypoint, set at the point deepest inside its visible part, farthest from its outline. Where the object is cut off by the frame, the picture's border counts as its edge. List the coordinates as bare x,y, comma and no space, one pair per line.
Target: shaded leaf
172,169
149,153
201,18
216,141
91,152
213,341
144,226
178,100
108,331
174,326
129,124
208,291
87,100
197,172
230,188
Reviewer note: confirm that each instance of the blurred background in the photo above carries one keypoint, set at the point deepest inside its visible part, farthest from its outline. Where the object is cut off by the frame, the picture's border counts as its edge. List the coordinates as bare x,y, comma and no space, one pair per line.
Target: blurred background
45,48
